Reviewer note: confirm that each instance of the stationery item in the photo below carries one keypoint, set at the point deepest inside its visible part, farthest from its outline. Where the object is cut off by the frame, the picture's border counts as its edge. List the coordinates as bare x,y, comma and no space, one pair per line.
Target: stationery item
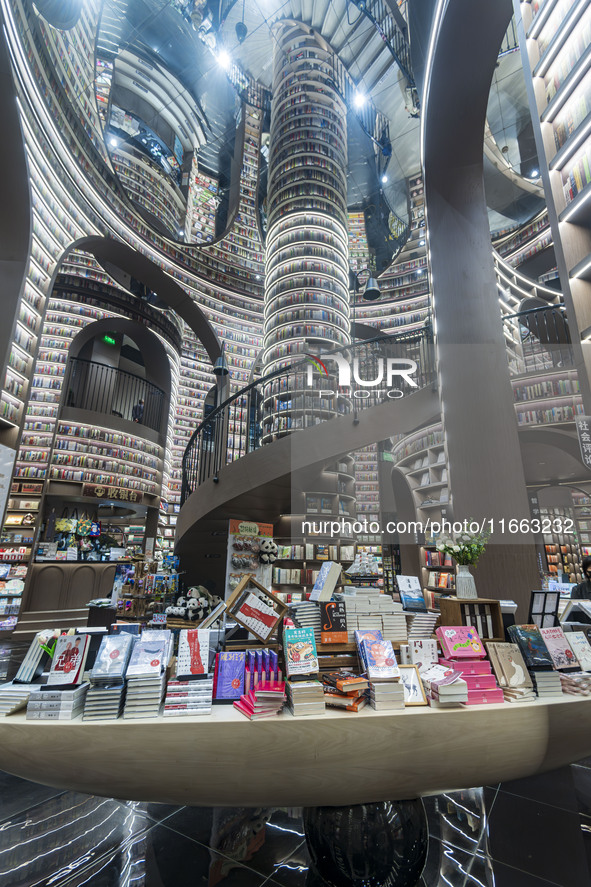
460,642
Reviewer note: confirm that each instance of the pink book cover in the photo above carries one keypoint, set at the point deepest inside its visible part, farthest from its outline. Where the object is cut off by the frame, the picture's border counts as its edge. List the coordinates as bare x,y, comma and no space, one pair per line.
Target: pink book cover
460,642
480,681
468,666
484,697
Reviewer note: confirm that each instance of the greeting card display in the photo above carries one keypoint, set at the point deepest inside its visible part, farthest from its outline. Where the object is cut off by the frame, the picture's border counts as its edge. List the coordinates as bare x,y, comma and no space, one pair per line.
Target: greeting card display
256,608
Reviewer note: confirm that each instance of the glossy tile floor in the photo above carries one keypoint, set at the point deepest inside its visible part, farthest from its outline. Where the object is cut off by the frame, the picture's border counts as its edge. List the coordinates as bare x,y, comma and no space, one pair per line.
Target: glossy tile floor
528,833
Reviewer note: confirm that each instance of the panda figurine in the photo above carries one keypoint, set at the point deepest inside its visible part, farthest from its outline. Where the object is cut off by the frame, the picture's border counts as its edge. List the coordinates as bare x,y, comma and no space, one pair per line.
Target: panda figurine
195,610
267,551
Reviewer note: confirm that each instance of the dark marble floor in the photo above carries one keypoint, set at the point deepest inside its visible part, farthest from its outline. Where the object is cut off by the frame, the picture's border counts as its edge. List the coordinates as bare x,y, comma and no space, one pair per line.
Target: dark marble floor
528,833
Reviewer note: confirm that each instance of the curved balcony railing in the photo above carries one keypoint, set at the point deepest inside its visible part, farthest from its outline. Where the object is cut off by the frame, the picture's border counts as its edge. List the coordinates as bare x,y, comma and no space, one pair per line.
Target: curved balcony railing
345,381
538,340
89,385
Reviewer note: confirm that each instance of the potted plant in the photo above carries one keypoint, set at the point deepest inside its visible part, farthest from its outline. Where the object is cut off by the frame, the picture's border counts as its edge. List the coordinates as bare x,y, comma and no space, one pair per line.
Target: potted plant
465,549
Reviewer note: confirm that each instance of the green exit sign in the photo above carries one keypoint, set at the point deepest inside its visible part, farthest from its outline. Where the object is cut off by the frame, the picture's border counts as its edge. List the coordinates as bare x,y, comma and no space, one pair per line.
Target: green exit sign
109,340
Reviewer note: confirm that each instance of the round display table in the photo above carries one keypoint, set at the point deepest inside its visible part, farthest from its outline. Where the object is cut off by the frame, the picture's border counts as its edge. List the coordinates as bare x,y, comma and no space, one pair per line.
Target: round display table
336,759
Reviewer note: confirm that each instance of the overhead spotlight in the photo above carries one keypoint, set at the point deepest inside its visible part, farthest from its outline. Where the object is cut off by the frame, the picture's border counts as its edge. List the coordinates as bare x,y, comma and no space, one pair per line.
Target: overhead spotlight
534,174
181,232
359,99
384,179
113,142
224,60
241,32
421,243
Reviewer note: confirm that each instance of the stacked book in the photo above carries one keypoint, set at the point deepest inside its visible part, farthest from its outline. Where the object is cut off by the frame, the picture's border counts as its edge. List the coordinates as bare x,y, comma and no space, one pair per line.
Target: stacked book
13,697
307,614
369,609
104,699
537,659
445,687
305,697
386,695
464,653
576,684
511,672
146,675
264,701
420,625
188,697
345,690
57,705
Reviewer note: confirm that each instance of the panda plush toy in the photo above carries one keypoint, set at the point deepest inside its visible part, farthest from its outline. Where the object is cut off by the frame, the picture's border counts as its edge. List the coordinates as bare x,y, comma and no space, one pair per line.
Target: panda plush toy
267,551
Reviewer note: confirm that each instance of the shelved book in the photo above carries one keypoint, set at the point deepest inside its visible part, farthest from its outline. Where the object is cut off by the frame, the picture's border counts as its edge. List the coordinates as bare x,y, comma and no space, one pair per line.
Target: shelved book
333,622
299,648
532,646
69,659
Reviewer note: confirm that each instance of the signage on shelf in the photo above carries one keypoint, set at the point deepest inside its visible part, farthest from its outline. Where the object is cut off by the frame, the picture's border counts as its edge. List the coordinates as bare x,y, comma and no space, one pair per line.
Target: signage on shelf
583,424
103,491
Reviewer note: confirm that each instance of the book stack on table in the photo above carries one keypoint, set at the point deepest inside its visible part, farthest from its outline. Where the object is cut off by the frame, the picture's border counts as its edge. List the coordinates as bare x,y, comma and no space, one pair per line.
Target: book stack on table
188,697
464,652
368,608
307,614
13,697
577,684
56,704
146,674
512,675
379,662
386,695
345,690
105,697
444,686
305,697
420,625
264,701
538,660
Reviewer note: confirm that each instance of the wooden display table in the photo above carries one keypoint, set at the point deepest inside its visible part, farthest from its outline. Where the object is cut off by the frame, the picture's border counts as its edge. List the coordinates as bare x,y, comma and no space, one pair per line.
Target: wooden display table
339,758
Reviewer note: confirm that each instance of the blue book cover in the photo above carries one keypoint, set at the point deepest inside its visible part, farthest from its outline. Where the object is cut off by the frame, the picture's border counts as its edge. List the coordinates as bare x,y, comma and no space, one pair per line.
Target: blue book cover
370,634
229,679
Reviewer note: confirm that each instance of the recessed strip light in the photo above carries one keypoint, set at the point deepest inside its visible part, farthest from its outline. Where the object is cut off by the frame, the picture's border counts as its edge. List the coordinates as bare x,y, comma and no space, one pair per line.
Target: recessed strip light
540,18
565,25
575,205
559,159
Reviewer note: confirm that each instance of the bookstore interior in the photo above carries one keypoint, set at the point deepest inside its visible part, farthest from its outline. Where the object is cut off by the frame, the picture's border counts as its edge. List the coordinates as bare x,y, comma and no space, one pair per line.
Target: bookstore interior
295,421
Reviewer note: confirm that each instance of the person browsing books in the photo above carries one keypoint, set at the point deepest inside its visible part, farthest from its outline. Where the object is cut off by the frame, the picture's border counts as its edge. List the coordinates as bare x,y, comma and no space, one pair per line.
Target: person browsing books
583,589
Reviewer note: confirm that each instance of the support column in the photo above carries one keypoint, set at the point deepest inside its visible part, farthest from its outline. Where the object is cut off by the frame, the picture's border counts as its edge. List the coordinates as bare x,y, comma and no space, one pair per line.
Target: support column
486,473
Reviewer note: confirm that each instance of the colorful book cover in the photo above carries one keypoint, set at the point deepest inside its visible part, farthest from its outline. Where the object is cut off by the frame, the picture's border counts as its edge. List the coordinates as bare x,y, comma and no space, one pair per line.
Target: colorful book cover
256,615
381,660
193,653
532,646
230,675
345,681
580,647
559,648
460,642
333,622
69,657
369,634
299,647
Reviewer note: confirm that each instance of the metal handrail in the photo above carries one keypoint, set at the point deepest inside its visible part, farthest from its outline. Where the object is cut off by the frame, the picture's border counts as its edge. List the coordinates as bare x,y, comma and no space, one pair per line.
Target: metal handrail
295,397
101,388
538,339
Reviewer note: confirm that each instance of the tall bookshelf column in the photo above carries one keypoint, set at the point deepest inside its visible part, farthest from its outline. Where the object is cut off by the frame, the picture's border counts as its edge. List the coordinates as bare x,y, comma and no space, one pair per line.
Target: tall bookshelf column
307,271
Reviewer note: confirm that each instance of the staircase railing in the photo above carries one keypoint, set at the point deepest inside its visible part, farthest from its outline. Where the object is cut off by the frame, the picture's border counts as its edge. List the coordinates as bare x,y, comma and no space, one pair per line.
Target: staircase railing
538,339
317,389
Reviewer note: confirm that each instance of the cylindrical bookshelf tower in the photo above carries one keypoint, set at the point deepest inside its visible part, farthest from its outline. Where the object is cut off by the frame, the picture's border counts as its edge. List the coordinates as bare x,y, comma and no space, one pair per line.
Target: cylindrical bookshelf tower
307,271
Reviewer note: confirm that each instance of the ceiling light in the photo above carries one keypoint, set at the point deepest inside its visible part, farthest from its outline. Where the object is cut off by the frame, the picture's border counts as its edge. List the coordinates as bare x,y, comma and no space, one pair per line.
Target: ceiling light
359,99
384,179
534,174
421,243
113,142
241,32
224,60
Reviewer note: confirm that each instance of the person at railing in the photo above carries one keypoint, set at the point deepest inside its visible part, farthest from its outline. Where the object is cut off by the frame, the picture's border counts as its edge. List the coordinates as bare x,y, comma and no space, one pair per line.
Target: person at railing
137,413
